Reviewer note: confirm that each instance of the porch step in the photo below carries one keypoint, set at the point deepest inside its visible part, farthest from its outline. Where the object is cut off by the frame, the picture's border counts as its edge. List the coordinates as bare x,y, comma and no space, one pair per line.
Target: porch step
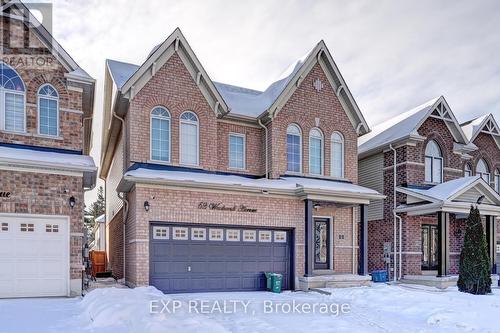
334,281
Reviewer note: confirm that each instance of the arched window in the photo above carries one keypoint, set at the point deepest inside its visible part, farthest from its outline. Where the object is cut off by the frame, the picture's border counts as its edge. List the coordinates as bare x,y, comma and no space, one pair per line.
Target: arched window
467,170
483,171
337,155
294,148
433,163
160,134
316,152
12,90
48,110
189,140
497,180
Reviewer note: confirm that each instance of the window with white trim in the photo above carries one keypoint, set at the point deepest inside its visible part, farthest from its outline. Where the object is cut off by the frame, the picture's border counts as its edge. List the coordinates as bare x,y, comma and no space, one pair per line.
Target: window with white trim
237,150
294,148
51,228
316,152
48,110
160,232
497,180
337,168
198,233
4,226
180,233
249,235
232,235
27,227
483,170
216,234
280,236
433,163
467,170
265,236
160,134
12,97
189,139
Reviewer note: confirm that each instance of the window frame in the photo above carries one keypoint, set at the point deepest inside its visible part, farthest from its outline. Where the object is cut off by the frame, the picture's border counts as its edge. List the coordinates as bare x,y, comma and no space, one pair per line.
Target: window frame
265,232
322,151
467,170
238,135
433,159
229,239
300,147
3,92
249,232
488,171
189,122
175,237
342,144
58,113
169,119
215,239
160,228
497,180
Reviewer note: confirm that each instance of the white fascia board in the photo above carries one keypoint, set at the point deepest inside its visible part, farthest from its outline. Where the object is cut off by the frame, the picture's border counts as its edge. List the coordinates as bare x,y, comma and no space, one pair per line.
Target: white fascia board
47,165
410,140
340,194
421,196
464,207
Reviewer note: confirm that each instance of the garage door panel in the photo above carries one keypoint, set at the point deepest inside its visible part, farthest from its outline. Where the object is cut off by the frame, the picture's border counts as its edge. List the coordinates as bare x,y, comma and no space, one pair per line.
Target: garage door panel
7,247
215,283
181,248
265,251
281,252
233,283
217,266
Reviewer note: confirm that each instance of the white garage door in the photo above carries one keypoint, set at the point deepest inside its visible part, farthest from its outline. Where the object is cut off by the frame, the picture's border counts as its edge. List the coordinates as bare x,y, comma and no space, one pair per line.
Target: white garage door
34,256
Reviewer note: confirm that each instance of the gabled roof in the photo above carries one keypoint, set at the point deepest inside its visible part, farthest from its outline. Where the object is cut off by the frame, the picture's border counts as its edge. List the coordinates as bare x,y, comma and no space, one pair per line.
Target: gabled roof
482,124
405,126
120,71
453,196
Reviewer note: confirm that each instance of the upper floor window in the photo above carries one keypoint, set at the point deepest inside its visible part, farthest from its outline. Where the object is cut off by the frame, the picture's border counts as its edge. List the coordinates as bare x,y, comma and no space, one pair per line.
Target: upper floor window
483,171
433,163
160,134
237,151
497,180
337,155
189,139
467,170
294,148
48,110
316,152
12,95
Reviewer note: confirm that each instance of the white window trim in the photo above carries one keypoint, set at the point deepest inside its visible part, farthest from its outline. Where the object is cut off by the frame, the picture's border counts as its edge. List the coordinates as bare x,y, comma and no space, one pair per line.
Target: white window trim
199,229
213,238
322,166
231,239
342,142
151,116
467,169
266,232
2,104
276,240
174,229
155,228
240,135
433,158
181,121
300,148
481,174
38,110
253,232
4,225
497,181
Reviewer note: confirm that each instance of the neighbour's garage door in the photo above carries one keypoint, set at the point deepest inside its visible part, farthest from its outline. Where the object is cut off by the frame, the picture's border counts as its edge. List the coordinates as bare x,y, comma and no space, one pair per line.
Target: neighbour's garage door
199,259
34,256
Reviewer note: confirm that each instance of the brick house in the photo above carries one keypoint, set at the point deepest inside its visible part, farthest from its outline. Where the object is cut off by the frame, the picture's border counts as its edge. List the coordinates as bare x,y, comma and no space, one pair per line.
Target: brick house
210,185
439,175
46,106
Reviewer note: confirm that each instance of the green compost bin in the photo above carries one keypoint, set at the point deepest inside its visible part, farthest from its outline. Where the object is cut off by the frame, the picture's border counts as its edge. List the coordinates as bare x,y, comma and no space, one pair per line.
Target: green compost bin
274,282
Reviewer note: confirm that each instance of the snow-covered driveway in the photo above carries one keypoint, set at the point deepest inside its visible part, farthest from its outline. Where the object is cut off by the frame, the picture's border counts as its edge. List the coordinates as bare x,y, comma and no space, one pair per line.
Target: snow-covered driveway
380,308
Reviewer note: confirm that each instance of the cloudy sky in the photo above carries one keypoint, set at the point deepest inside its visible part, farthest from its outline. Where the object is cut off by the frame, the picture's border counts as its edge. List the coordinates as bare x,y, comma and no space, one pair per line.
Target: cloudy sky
393,55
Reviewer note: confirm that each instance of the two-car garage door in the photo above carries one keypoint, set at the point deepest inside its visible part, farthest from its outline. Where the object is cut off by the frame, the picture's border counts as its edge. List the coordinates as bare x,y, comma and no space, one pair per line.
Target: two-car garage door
214,258
34,256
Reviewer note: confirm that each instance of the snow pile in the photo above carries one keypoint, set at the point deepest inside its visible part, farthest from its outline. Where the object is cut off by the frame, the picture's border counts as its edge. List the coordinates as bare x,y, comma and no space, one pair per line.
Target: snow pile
129,310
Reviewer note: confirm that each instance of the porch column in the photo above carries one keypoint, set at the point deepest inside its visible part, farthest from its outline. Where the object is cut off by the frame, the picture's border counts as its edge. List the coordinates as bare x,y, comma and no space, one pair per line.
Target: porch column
491,238
363,240
444,243
309,238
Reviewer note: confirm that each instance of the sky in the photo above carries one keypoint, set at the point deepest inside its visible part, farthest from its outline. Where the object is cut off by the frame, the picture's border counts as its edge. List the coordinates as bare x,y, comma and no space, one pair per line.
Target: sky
394,55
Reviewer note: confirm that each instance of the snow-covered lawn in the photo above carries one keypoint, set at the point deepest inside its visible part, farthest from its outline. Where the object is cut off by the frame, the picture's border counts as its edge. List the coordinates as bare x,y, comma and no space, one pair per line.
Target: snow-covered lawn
380,308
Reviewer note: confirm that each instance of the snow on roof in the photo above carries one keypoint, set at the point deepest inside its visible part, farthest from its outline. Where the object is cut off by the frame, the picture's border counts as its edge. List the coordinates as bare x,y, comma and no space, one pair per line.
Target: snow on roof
472,126
101,218
447,189
283,183
121,71
395,128
46,158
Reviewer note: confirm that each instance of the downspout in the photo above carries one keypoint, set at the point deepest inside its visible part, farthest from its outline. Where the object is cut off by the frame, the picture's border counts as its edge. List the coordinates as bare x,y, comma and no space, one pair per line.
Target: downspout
396,217
265,145
353,242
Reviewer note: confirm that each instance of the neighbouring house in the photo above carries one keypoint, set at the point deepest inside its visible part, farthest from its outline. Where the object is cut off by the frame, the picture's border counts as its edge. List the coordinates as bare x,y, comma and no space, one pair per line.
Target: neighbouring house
436,174
46,106
210,185
99,234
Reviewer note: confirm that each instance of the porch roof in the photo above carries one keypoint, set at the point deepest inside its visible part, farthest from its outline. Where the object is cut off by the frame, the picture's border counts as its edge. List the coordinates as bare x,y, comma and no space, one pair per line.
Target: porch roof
454,196
316,189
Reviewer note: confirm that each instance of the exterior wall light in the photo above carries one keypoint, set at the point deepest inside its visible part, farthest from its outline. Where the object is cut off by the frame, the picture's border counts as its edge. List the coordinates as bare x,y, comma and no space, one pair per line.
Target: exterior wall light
146,206
480,200
72,201
317,206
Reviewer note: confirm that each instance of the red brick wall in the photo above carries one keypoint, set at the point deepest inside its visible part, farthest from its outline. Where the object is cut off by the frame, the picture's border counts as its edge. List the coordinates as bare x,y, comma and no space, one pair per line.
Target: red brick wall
488,150
114,249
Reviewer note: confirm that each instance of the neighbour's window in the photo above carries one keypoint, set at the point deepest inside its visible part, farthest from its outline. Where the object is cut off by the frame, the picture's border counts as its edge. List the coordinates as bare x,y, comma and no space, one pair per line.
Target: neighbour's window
433,163
237,151
180,233
467,170
483,171
198,233
497,180
249,235
232,235
280,236
160,134
51,228
189,140
337,155
48,110
264,236
160,232
12,95
294,148
316,152
216,234
27,227
4,227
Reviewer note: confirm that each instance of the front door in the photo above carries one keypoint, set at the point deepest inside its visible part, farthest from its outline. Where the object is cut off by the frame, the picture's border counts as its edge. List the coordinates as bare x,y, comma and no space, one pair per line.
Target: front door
321,243
430,243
